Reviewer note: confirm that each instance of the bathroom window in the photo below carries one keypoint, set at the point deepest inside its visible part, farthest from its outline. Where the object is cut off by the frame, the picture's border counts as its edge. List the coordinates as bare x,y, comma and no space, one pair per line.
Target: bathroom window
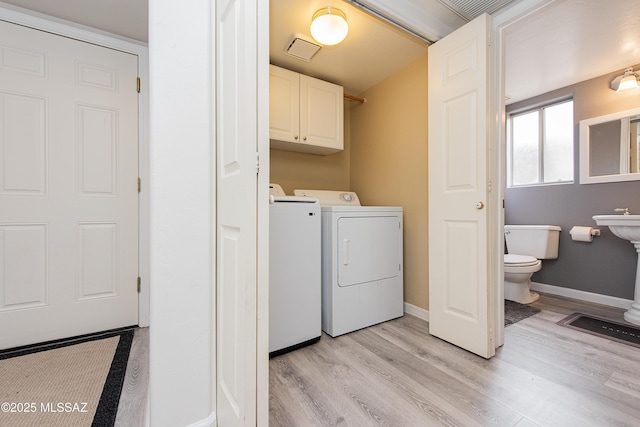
541,145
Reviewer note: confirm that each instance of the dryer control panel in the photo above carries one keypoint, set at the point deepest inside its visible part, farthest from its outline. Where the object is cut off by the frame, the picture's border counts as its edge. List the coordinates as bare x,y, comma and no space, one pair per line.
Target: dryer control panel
276,190
330,197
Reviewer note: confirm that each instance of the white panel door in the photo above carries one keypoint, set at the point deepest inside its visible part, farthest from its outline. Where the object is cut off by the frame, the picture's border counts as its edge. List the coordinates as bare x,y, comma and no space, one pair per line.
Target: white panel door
460,309
236,74
68,187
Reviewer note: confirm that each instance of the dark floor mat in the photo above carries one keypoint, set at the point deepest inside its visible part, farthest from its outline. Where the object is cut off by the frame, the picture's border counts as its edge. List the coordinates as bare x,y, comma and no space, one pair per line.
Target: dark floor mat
515,312
624,333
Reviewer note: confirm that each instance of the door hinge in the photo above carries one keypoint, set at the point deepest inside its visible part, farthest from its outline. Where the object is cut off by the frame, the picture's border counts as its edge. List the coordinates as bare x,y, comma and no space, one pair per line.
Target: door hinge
257,163
138,287
138,84
139,184
489,40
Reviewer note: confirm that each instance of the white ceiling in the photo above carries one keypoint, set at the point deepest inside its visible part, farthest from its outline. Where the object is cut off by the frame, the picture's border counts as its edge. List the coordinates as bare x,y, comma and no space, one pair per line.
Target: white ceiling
565,42
371,52
126,18
570,41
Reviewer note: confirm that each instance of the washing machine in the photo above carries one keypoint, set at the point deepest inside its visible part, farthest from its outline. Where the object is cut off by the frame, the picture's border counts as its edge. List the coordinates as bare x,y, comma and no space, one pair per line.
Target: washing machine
294,271
362,262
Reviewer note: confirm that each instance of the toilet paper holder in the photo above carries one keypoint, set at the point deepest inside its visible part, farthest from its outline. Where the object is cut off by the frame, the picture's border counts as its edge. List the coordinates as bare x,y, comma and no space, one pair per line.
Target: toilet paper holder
583,234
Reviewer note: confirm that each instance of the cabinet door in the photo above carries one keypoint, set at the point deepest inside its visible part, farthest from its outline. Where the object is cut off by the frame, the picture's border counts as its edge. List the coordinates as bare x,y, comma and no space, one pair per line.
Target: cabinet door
321,114
284,96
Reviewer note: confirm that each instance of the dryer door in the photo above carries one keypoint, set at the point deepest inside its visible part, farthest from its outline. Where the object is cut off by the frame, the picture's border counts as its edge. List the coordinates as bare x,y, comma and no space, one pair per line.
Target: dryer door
368,249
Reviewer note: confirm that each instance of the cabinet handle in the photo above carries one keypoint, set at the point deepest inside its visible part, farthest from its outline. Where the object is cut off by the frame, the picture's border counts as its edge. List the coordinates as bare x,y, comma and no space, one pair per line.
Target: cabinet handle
304,138
295,137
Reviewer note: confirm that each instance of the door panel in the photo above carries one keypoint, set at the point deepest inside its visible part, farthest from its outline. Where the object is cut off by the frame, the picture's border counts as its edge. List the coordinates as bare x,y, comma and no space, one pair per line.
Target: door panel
23,144
236,281
284,104
459,115
321,113
25,277
461,237
68,187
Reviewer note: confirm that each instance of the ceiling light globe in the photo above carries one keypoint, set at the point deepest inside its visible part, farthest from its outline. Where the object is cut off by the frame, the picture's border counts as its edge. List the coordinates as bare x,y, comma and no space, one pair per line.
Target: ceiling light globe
329,26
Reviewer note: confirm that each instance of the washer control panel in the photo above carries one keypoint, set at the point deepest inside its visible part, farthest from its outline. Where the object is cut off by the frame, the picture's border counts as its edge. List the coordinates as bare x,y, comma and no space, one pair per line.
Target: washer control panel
331,198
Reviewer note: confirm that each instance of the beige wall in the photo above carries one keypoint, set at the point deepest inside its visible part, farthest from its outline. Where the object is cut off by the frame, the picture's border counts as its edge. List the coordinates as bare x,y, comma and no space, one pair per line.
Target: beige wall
310,171
389,164
384,161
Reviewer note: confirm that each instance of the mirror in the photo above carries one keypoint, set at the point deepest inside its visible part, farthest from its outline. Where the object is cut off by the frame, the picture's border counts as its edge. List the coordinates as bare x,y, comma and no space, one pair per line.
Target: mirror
609,149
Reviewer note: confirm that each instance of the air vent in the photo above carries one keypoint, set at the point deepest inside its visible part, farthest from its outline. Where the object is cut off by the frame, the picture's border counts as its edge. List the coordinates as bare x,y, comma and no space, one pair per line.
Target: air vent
473,8
302,47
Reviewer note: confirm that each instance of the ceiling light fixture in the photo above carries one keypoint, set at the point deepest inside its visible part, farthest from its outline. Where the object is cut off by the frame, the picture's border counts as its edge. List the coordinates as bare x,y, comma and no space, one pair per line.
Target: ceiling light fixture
627,81
329,26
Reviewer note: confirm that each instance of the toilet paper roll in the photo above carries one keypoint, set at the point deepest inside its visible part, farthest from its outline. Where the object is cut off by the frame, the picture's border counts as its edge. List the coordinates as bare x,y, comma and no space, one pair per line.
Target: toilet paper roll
582,234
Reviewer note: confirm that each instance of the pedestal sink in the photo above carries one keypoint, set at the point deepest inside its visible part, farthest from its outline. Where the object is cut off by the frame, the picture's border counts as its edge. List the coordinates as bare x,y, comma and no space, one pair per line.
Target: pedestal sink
627,227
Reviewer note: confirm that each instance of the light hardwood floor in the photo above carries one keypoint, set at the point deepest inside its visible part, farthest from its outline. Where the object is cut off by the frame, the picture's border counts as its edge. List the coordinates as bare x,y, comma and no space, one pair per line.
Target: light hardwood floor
132,408
396,374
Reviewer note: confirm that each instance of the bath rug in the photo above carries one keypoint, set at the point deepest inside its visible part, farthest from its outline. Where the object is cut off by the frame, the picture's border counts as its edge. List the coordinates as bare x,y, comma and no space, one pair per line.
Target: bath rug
614,331
515,312
72,382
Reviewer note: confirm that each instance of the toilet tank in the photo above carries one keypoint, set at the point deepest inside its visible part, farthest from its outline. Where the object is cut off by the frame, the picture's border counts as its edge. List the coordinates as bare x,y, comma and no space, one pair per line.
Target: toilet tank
540,241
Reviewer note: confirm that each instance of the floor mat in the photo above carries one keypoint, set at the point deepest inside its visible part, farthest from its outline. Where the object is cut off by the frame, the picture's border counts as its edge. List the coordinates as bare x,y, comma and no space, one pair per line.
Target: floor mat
620,332
73,383
515,312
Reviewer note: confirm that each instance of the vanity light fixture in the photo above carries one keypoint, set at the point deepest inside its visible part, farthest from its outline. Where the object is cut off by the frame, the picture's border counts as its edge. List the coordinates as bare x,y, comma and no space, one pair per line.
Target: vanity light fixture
627,81
329,26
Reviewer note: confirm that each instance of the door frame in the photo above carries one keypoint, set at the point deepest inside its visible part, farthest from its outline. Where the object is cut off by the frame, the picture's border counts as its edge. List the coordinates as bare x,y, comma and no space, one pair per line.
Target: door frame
501,25
262,273
69,29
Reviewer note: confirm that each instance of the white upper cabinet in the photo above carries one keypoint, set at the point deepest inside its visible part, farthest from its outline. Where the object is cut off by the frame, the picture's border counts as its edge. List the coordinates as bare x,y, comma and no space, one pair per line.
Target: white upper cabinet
306,114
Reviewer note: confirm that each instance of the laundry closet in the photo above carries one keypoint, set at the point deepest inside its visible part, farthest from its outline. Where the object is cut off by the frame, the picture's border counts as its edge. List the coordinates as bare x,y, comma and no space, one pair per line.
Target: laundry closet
383,159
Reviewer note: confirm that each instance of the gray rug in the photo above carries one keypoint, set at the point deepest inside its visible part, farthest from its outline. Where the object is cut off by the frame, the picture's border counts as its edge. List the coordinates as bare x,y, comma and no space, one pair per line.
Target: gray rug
515,312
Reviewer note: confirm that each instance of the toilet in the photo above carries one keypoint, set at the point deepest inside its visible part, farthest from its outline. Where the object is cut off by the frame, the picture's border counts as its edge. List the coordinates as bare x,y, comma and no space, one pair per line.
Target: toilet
527,245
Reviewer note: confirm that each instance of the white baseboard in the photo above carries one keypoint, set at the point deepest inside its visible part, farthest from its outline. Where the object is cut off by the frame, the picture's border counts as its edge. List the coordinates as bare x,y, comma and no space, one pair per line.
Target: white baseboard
423,314
580,295
413,310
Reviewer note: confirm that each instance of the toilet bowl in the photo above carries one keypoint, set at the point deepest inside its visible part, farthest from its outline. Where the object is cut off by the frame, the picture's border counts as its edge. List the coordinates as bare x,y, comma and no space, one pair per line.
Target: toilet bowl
527,245
518,270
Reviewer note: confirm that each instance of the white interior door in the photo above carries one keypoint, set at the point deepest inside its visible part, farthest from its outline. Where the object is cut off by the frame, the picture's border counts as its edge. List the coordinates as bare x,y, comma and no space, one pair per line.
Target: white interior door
237,143
460,304
68,187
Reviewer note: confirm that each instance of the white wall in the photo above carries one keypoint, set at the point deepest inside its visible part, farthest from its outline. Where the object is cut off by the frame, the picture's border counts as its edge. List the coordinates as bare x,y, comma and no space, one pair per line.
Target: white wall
182,218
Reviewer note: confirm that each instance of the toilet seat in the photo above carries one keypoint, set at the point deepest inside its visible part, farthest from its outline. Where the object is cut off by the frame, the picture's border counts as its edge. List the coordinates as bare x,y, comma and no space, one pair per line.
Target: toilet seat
515,260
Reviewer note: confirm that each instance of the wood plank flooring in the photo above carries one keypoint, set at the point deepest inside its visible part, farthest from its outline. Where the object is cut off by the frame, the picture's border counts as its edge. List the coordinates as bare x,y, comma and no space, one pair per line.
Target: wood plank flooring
396,374
132,408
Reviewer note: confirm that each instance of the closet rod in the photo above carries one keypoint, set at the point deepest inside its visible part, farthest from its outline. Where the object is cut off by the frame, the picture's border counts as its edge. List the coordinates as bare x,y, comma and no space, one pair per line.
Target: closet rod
355,98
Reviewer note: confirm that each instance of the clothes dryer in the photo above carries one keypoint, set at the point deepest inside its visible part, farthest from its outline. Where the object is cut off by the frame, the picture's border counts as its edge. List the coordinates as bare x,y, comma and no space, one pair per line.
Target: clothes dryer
362,262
